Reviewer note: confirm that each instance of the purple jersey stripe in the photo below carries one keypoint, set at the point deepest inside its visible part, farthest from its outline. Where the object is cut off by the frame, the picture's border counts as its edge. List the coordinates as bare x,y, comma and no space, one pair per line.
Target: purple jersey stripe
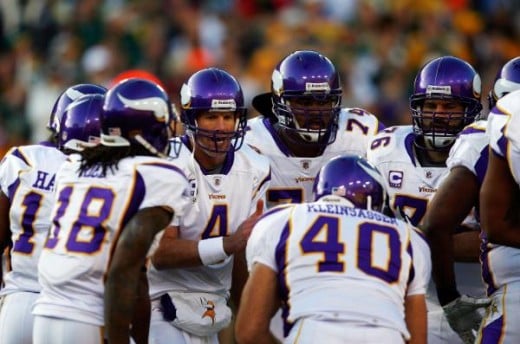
493,332
408,143
283,148
17,153
484,260
136,198
11,190
166,166
281,259
409,249
472,130
482,163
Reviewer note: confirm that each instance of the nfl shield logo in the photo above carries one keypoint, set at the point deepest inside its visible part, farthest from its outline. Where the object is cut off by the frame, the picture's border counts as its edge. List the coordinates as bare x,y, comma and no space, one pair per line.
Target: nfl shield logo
305,164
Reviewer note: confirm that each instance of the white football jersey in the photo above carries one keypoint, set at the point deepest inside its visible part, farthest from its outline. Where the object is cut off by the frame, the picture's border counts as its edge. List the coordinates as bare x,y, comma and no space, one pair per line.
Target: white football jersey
503,129
471,150
340,263
293,177
220,203
87,218
500,263
27,178
410,186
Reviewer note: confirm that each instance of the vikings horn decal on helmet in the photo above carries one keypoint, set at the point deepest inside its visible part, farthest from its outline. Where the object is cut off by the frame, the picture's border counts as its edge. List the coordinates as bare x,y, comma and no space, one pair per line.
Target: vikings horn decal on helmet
506,81
353,178
213,90
137,111
445,78
67,97
299,83
80,125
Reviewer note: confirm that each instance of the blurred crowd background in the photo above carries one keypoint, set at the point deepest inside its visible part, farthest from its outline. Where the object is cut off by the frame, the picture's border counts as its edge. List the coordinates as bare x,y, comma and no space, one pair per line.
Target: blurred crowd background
377,45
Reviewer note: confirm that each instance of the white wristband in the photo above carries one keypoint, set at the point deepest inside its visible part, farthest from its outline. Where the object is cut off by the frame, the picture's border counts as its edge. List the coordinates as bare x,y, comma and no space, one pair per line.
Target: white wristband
211,251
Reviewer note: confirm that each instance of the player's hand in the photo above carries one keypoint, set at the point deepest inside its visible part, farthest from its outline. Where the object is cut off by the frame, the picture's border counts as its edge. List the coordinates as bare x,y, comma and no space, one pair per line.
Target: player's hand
464,317
238,240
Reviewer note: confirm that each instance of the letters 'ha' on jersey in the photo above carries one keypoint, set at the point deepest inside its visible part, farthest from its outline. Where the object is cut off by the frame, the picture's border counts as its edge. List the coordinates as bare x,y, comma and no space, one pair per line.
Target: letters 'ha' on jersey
410,186
503,129
293,177
89,213
341,263
220,203
27,178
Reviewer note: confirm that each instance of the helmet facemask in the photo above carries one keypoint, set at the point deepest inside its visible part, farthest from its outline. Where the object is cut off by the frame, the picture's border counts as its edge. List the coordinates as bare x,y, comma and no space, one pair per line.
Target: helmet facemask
313,119
212,141
439,129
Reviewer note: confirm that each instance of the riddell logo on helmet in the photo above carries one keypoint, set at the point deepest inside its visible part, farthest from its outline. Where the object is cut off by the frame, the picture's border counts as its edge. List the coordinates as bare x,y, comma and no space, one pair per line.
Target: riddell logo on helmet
223,104
432,89
317,86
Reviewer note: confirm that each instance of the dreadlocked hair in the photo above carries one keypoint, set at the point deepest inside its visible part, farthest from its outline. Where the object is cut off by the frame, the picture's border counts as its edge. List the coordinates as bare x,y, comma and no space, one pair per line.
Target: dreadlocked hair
107,158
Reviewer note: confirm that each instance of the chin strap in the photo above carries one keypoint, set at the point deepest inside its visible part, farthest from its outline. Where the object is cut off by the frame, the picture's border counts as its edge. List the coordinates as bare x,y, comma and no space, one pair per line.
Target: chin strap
150,148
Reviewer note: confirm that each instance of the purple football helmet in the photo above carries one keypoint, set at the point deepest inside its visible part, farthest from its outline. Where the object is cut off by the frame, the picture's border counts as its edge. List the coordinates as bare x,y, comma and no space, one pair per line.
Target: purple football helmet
213,90
445,78
67,97
80,125
137,111
506,81
301,81
353,178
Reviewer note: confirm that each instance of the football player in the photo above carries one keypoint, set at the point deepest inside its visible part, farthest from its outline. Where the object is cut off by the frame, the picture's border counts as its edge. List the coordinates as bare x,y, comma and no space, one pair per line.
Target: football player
116,192
412,158
500,209
27,182
342,270
302,125
201,259
453,201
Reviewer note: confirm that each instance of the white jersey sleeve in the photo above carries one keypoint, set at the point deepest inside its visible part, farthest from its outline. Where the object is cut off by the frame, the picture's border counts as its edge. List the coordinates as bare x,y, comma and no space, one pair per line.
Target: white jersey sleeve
422,265
470,149
260,244
505,129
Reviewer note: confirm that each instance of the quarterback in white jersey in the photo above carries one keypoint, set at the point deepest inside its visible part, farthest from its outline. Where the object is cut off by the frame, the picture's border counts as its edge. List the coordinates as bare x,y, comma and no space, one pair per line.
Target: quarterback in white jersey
27,181
500,209
412,159
194,267
342,271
